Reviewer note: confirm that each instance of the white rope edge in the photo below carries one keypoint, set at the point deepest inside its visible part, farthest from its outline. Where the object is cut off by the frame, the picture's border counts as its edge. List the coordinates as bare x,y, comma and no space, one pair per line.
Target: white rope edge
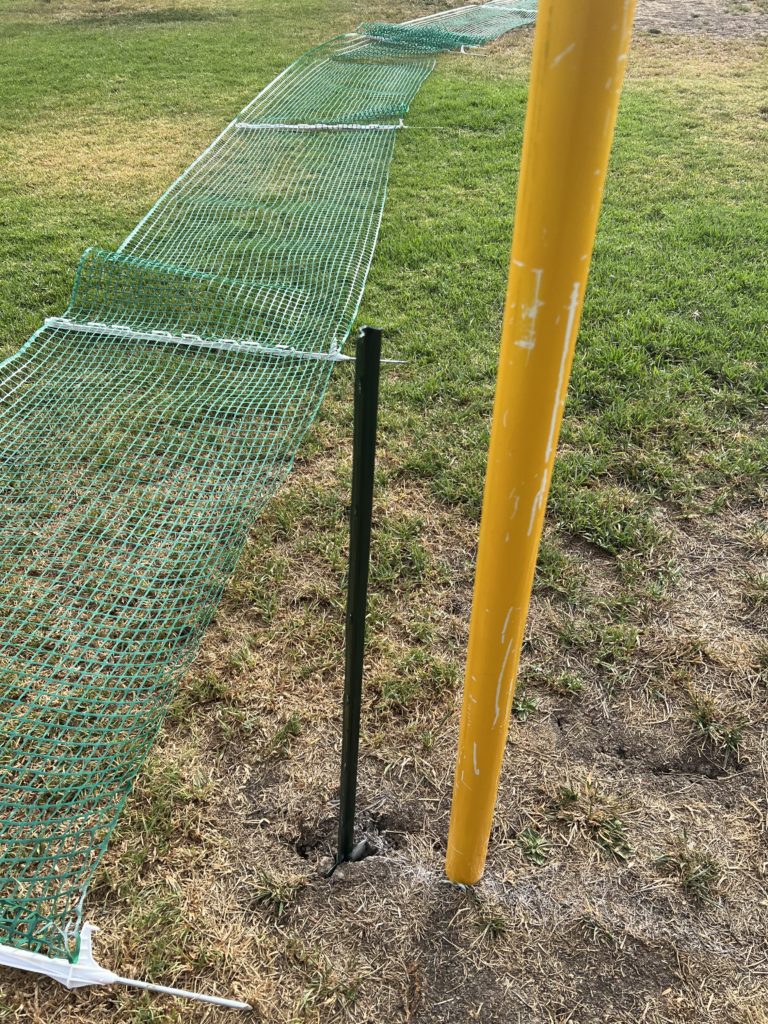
289,127
227,344
63,323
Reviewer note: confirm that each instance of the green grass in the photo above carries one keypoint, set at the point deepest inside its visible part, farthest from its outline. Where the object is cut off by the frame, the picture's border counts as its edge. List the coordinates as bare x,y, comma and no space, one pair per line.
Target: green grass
534,845
670,372
719,731
671,366
104,102
276,894
597,816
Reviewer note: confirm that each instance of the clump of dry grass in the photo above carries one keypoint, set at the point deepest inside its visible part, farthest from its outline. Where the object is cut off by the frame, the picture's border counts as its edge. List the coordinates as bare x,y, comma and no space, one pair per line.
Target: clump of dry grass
597,815
276,893
721,732
699,873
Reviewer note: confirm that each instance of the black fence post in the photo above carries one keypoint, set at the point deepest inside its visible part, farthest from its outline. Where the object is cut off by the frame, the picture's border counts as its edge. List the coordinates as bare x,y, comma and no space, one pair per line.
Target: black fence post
367,371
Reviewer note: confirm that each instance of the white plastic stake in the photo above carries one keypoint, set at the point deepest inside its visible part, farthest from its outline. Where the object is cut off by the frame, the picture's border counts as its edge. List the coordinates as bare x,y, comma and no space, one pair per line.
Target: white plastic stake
87,972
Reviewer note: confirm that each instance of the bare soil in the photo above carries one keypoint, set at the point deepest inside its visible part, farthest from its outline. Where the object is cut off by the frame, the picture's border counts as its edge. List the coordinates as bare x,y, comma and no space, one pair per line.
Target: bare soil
727,18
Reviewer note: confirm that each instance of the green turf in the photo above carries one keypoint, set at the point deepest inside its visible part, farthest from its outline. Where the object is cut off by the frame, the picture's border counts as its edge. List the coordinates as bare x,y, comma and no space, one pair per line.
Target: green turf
670,372
104,104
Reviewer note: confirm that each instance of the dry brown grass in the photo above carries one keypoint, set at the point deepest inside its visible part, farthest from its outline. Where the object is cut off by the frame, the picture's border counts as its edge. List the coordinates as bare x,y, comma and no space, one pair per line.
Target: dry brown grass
216,877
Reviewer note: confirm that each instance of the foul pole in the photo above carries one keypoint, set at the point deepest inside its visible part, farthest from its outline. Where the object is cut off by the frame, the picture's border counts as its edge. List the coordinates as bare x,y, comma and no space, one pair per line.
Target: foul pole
579,59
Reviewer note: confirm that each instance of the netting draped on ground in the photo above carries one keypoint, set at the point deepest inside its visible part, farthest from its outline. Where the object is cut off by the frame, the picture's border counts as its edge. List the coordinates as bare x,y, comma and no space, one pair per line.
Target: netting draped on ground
142,431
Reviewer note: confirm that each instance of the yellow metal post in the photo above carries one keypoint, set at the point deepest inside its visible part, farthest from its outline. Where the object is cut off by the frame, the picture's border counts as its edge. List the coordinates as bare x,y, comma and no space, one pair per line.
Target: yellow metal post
580,54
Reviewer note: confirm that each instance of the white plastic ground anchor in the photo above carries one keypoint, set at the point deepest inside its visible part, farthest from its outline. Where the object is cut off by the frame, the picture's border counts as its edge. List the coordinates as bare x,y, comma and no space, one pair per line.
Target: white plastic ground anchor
87,972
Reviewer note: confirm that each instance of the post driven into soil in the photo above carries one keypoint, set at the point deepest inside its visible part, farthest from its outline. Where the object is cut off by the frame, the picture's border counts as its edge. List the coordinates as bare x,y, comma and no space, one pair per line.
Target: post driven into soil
367,372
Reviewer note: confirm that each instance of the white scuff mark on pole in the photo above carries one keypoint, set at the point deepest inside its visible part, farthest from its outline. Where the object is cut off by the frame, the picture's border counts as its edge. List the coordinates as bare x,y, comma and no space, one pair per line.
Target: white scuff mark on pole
506,623
500,681
573,309
474,759
563,53
531,313
538,500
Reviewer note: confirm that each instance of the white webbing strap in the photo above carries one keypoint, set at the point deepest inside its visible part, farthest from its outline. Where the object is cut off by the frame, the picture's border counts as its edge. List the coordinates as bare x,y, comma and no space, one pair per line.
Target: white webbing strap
249,126
63,323
87,972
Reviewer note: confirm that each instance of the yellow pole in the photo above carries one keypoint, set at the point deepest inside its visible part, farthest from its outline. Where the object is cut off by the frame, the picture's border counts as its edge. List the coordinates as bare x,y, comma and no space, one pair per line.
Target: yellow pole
580,54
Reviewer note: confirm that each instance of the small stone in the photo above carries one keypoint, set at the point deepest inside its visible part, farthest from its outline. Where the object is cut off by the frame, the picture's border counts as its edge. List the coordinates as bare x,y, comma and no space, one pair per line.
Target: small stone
324,866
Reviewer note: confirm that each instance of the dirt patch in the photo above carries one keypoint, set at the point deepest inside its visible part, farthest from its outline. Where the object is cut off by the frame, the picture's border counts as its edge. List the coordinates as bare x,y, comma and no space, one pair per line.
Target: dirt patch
726,18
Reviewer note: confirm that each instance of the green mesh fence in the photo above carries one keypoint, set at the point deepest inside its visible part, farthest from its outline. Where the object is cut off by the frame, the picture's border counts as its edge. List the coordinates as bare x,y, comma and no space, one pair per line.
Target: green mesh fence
470,26
142,432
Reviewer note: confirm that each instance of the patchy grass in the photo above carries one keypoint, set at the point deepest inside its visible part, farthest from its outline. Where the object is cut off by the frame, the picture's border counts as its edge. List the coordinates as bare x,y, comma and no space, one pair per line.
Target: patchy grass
716,729
278,894
646,661
523,706
598,816
699,873
534,845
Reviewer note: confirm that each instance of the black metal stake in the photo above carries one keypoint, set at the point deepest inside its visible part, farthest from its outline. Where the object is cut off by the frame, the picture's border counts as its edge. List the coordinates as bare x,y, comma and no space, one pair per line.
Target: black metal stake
367,368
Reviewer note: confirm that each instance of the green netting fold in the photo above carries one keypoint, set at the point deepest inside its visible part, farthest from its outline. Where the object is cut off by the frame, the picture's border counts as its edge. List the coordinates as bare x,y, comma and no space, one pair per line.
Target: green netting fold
338,83
143,430
421,39
473,25
114,289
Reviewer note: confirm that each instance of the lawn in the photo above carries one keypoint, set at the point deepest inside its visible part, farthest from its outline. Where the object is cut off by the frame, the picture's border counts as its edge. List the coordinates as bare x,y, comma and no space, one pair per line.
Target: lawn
626,877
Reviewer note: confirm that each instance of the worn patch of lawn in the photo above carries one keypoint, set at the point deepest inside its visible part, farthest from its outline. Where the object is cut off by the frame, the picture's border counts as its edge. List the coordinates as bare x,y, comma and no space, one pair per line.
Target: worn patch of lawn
625,879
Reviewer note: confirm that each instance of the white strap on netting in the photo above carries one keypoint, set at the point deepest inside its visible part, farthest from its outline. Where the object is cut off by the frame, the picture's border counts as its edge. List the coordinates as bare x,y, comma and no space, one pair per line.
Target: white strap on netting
63,323
227,344
87,972
320,127
440,15
505,6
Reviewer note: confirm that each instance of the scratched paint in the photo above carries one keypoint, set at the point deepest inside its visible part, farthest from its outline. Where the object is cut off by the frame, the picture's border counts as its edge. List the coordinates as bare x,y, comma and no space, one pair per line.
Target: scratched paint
531,313
506,623
568,340
563,53
500,682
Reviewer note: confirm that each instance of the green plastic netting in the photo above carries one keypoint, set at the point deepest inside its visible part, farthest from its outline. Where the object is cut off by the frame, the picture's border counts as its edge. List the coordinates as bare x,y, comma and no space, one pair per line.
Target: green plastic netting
142,432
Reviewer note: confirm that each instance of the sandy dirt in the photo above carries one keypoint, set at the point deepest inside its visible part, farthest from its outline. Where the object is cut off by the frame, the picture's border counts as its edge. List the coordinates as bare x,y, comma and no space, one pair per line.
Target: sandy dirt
727,18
